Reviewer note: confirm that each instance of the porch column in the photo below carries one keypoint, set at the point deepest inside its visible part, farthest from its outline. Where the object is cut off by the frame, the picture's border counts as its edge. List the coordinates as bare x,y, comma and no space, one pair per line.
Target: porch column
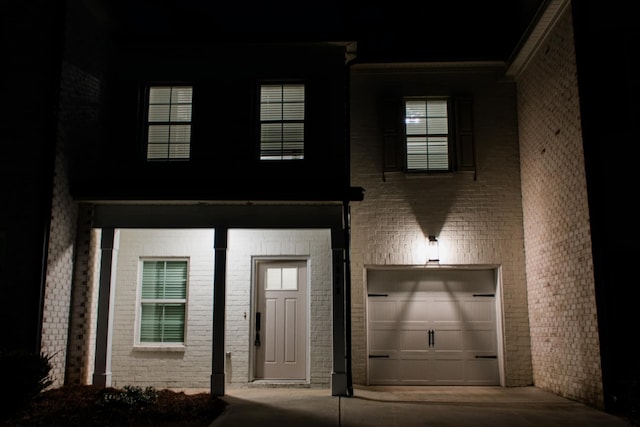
339,374
219,290
108,259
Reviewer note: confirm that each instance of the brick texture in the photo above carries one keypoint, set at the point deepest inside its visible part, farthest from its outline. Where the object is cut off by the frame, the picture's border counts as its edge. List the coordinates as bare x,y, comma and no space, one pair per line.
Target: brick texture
562,308
477,219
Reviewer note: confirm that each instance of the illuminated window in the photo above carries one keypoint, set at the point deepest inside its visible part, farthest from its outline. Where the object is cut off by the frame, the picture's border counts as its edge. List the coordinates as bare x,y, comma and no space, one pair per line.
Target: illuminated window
279,279
427,134
282,121
163,300
168,122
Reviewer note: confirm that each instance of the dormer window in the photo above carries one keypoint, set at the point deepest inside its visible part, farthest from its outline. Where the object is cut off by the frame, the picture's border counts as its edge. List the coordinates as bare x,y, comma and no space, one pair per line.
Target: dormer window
168,122
282,121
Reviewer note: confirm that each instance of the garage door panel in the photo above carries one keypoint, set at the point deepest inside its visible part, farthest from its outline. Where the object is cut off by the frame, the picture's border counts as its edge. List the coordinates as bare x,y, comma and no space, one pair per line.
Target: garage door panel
432,330
414,340
448,340
448,371
416,371
479,341
444,310
478,310
383,310
383,340
413,311
384,371
481,371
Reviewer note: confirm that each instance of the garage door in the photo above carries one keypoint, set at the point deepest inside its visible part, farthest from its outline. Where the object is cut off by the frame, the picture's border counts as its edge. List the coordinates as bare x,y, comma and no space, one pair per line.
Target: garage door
432,327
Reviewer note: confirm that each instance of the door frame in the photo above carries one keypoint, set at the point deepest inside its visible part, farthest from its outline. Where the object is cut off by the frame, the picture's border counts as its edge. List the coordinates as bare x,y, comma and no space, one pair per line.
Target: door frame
499,312
255,260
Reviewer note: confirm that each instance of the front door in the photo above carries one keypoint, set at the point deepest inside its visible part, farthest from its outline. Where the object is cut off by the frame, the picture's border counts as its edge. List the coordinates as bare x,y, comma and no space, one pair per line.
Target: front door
280,330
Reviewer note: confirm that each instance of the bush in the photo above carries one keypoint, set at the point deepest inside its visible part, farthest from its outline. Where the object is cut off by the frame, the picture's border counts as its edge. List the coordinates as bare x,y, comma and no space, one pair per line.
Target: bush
25,374
131,398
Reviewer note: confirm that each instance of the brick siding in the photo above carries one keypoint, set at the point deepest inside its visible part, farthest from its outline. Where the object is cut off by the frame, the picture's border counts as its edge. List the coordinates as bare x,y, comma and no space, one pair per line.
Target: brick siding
562,307
477,219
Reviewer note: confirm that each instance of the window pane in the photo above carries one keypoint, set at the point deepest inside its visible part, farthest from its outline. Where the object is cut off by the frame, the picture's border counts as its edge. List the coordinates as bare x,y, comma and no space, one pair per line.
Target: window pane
150,323
293,131
270,112
159,95
271,132
181,94
271,93
290,278
181,113
274,279
427,129
173,323
437,125
293,111
437,108
162,323
180,133
157,151
293,93
416,126
281,122
164,279
179,151
169,105
159,113
415,109
158,133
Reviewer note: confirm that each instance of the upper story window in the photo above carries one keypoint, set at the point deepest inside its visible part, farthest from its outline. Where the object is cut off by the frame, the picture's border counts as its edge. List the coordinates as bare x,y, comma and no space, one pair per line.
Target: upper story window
282,121
163,300
168,122
427,134
424,134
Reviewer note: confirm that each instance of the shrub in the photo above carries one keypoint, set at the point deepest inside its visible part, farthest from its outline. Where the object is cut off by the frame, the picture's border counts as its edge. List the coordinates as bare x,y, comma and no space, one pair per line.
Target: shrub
25,375
131,398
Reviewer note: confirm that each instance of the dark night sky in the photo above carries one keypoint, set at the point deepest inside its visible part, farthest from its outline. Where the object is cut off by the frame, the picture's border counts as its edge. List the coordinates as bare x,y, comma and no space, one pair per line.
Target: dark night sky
395,30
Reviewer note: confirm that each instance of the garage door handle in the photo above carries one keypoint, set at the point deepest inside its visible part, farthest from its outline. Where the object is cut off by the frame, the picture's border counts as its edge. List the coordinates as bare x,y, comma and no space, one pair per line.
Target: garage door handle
432,337
486,357
378,356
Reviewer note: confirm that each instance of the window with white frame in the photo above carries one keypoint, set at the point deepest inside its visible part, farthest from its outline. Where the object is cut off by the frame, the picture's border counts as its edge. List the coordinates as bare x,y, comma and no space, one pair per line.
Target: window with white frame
163,301
427,134
282,121
168,122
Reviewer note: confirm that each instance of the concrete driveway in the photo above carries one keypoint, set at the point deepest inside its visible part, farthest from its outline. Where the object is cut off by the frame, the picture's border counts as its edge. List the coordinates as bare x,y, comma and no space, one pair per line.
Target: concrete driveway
409,407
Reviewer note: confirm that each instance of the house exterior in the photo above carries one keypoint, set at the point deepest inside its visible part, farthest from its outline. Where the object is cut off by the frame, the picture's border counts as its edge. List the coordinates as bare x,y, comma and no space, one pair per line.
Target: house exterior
259,214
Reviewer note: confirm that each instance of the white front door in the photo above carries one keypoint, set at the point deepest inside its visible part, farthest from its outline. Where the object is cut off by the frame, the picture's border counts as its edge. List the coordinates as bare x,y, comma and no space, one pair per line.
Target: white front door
432,328
280,330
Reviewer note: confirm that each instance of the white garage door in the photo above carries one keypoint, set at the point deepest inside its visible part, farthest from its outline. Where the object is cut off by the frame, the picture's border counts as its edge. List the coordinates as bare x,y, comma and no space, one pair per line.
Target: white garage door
432,327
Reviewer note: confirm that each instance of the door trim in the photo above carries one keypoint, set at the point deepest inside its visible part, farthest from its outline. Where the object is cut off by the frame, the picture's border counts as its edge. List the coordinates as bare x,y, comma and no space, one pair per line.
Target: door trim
255,261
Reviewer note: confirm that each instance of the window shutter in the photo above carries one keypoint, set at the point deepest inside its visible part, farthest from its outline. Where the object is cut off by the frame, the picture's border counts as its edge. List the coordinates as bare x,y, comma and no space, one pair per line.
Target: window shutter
391,124
464,134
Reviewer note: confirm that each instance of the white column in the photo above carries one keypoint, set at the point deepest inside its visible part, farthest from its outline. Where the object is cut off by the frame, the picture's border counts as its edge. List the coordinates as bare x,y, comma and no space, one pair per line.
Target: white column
109,250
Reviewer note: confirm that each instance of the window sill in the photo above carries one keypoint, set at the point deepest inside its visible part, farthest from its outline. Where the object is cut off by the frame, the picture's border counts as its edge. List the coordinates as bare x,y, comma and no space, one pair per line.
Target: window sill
160,348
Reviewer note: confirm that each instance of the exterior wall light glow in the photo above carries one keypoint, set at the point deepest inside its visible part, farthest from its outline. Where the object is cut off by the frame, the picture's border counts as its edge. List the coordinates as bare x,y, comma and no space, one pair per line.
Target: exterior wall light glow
433,252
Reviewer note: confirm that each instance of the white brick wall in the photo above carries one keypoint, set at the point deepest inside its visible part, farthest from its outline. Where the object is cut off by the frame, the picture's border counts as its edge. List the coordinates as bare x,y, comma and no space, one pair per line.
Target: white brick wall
192,368
562,310
476,221
243,246
163,369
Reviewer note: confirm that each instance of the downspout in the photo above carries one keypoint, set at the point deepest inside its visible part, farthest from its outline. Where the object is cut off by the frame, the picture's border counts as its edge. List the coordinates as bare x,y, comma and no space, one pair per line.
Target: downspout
347,226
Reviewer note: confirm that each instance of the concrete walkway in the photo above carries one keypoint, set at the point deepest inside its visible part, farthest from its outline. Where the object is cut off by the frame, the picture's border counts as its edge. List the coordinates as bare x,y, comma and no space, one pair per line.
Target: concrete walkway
409,407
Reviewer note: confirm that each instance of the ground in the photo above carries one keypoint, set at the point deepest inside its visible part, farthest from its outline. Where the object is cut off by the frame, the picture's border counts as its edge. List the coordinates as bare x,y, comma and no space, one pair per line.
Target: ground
83,405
